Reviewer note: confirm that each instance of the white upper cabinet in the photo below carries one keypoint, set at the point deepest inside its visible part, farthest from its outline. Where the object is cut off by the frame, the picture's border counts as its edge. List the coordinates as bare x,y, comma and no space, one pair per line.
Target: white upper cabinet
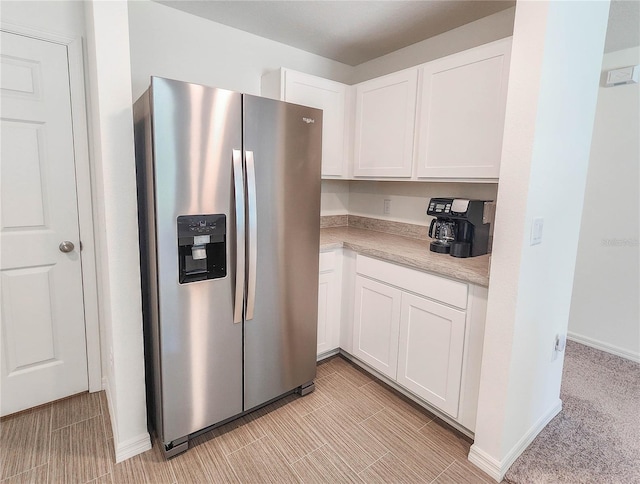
461,119
384,129
439,121
330,96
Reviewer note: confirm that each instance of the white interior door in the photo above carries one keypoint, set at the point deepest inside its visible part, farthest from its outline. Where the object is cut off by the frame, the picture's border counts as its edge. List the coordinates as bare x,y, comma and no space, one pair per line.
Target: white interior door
42,317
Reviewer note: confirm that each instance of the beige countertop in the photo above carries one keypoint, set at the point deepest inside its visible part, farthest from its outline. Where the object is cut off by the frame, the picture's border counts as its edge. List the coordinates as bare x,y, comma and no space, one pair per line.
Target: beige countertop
407,251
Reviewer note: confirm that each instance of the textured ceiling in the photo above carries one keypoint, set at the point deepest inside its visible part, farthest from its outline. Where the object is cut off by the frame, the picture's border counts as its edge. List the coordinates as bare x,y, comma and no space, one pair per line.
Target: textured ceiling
354,32
623,30
351,32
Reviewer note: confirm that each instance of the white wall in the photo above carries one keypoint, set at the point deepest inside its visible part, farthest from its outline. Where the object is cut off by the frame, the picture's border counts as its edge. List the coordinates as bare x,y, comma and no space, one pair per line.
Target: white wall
553,84
167,42
61,17
111,124
409,199
334,199
604,307
482,31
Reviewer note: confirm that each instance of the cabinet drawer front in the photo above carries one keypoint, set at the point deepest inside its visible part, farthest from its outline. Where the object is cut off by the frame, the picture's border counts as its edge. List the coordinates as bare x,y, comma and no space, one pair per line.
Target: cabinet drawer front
423,283
327,261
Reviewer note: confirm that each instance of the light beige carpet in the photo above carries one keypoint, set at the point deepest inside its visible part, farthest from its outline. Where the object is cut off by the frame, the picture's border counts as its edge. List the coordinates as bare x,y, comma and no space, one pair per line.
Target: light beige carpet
596,437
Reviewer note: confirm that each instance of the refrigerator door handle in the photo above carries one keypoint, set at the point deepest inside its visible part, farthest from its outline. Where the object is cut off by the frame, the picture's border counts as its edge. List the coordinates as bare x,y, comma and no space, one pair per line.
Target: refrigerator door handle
253,234
238,183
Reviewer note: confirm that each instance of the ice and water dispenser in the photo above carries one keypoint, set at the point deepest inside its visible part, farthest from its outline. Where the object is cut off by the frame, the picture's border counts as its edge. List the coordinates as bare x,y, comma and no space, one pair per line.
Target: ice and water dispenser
202,247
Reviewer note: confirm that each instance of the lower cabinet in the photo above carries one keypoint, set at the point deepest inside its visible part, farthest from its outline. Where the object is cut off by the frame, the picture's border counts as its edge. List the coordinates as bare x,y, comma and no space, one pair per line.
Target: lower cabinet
329,302
430,351
376,324
421,331
415,341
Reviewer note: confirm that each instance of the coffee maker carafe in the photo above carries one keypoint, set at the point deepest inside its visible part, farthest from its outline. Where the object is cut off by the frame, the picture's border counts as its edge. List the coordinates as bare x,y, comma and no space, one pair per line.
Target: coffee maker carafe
443,233
461,227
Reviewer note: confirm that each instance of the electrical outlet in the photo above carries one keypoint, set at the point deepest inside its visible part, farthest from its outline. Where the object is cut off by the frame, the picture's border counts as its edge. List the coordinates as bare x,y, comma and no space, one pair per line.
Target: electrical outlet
111,357
387,207
559,344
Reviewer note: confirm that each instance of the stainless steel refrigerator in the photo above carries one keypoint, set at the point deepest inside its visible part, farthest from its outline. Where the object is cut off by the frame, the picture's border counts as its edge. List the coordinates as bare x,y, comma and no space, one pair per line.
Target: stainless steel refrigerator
229,209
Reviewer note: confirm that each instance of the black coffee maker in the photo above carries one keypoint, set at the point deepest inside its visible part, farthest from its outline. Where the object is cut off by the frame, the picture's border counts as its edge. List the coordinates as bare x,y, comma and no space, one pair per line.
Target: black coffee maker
461,227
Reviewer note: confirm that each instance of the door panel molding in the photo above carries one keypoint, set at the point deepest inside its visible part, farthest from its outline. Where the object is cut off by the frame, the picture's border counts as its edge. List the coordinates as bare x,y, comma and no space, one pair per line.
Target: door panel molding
84,181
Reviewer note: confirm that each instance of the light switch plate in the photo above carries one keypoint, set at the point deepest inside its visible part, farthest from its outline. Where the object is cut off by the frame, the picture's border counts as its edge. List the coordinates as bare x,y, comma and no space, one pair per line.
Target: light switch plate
536,231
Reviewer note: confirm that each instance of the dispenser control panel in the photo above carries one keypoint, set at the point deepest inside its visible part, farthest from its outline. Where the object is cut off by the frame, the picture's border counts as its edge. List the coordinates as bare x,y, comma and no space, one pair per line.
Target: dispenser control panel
202,247
192,226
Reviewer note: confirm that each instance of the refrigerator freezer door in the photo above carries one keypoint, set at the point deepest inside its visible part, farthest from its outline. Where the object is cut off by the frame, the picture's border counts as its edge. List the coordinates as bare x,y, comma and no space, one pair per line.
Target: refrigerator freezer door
280,338
195,130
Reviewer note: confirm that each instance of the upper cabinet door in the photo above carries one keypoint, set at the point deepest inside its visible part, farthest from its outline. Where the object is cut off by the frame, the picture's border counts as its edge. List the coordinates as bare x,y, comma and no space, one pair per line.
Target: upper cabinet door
385,122
462,113
330,96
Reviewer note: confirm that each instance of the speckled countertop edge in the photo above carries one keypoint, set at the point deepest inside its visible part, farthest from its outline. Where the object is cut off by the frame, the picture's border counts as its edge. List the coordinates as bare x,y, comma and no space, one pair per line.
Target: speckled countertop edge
407,251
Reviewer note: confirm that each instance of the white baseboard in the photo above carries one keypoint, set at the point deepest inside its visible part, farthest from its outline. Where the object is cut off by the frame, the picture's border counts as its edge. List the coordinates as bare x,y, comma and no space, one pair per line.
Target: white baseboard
602,346
327,354
113,418
131,447
496,468
486,463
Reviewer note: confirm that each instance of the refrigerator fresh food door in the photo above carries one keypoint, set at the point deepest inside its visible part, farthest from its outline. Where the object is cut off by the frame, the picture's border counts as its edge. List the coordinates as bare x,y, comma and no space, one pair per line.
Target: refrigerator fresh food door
283,150
195,132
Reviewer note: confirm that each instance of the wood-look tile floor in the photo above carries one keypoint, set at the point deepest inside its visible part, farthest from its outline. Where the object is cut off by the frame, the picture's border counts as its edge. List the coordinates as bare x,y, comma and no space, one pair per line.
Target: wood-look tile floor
351,429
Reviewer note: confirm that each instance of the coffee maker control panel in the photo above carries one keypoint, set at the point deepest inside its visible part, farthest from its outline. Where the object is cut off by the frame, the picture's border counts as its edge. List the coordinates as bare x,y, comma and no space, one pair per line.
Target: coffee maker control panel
439,207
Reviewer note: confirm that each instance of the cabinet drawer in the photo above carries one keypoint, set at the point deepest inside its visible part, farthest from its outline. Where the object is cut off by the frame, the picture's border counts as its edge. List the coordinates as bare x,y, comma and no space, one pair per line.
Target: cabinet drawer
435,287
327,261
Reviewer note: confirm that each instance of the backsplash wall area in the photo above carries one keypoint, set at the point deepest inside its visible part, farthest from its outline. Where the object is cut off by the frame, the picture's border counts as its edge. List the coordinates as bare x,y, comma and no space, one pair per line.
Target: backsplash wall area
334,198
408,199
